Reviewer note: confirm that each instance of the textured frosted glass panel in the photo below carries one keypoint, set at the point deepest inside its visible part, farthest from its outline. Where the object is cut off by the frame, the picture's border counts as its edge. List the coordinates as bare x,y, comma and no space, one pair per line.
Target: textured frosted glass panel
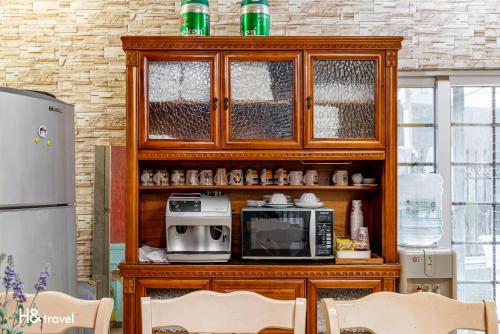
344,98
339,294
262,100
179,100
168,294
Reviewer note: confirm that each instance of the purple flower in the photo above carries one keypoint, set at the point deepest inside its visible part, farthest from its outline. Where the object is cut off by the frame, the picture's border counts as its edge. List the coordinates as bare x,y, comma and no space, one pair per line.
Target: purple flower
9,277
43,279
18,289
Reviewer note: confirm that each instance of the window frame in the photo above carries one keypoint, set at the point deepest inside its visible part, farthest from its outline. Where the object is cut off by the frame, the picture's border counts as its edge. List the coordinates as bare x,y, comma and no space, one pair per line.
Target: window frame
444,82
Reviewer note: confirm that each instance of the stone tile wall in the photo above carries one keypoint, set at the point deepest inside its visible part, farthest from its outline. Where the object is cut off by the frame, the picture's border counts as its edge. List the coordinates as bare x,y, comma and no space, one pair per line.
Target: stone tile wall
72,48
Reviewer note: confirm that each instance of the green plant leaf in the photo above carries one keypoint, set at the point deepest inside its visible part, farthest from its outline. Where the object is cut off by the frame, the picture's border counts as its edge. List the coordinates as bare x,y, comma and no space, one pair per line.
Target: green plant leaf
3,312
18,331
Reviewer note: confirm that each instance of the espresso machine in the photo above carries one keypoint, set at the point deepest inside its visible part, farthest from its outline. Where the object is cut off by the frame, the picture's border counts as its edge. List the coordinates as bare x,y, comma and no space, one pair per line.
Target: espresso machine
198,228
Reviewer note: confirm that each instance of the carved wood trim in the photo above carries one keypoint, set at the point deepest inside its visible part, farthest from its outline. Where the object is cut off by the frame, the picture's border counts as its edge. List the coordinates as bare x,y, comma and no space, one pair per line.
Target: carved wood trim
391,58
273,272
128,285
262,155
260,43
132,58
389,284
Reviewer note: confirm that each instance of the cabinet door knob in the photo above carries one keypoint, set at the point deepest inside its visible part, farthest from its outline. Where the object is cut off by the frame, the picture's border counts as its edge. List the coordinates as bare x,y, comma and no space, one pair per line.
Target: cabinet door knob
309,102
226,103
214,103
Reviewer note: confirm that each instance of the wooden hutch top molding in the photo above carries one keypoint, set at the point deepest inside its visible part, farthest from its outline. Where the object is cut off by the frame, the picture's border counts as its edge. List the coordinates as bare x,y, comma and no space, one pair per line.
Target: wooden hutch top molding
258,271
315,155
261,43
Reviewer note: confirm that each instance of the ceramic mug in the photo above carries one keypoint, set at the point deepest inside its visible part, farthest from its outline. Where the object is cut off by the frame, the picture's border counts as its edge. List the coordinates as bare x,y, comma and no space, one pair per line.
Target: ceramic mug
280,177
147,177
340,178
311,178
206,178
251,177
295,178
177,178
160,178
235,178
266,177
192,177
357,178
220,178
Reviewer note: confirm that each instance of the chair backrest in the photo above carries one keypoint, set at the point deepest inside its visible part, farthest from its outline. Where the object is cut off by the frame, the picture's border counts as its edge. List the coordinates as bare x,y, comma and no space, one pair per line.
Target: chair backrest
213,312
60,312
417,313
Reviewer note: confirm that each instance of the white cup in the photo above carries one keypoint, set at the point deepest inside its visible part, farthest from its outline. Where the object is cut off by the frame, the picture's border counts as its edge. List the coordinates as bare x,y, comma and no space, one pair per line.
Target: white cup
340,178
278,198
235,178
192,177
311,178
147,177
220,178
177,177
357,178
295,178
308,198
206,177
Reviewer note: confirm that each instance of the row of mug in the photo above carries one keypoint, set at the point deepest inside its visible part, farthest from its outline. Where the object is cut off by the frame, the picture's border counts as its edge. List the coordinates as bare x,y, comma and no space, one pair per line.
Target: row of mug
235,177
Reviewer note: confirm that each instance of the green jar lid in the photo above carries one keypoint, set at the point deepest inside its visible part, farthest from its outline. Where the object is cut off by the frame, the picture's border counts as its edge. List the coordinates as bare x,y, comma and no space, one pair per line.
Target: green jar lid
186,2
254,2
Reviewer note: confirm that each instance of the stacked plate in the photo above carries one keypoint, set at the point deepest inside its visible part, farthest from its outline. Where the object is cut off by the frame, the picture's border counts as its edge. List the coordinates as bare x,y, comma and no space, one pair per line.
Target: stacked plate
309,201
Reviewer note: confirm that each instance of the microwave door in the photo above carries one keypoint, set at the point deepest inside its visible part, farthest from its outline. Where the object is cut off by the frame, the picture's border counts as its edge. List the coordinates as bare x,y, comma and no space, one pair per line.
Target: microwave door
276,234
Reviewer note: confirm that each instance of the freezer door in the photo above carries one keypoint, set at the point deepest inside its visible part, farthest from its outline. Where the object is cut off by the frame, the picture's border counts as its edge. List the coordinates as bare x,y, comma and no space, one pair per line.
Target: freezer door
39,236
37,150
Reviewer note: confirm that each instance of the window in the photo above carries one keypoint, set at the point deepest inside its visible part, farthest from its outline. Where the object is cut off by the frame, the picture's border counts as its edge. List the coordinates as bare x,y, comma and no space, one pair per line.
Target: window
416,130
449,123
475,191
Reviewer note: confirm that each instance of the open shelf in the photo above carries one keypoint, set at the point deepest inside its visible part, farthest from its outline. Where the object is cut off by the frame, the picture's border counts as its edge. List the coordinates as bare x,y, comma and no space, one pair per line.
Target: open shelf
260,187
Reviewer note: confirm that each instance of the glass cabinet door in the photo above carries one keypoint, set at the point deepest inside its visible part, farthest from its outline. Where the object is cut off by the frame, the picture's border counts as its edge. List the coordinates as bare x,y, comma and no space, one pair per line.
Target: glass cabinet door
180,100
261,100
344,103
338,290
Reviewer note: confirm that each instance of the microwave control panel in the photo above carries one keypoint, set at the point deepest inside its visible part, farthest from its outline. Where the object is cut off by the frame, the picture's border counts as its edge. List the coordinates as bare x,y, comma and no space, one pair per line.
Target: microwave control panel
324,233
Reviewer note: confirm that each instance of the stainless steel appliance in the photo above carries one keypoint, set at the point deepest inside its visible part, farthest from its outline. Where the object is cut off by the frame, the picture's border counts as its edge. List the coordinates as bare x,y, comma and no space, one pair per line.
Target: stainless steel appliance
37,187
198,228
428,269
287,233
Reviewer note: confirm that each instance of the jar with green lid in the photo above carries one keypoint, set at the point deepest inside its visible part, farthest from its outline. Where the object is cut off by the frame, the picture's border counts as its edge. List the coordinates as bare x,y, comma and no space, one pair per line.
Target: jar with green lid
195,18
255,18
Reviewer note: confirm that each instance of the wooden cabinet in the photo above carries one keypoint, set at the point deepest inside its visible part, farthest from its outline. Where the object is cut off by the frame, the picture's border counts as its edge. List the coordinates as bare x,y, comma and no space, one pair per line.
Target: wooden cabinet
262,94
344,104
336,289
179,100
297,103
271,288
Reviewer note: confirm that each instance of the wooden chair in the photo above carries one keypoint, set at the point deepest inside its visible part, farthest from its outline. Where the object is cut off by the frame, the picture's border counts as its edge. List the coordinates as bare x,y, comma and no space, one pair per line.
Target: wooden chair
213,312
95,314
417,313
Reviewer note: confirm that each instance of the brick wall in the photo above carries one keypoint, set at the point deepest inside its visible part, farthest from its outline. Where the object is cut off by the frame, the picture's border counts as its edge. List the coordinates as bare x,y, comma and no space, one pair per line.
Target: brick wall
72,49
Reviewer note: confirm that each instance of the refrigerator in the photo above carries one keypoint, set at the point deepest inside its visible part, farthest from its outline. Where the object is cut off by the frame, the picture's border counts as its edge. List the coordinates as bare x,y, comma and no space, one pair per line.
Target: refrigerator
37,187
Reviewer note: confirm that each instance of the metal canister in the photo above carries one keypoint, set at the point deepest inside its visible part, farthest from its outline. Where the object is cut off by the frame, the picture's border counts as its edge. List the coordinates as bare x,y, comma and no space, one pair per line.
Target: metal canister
255,18
195,18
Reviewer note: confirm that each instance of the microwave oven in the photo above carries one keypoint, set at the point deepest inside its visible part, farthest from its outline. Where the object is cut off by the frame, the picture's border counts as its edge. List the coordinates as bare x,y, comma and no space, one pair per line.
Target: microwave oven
287,233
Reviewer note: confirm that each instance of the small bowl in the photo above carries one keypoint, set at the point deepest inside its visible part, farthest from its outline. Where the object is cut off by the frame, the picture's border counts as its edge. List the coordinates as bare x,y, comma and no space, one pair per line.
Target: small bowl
369,180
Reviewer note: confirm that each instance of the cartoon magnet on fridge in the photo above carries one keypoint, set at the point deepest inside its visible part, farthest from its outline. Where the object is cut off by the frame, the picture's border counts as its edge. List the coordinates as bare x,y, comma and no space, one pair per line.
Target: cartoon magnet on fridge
42,131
